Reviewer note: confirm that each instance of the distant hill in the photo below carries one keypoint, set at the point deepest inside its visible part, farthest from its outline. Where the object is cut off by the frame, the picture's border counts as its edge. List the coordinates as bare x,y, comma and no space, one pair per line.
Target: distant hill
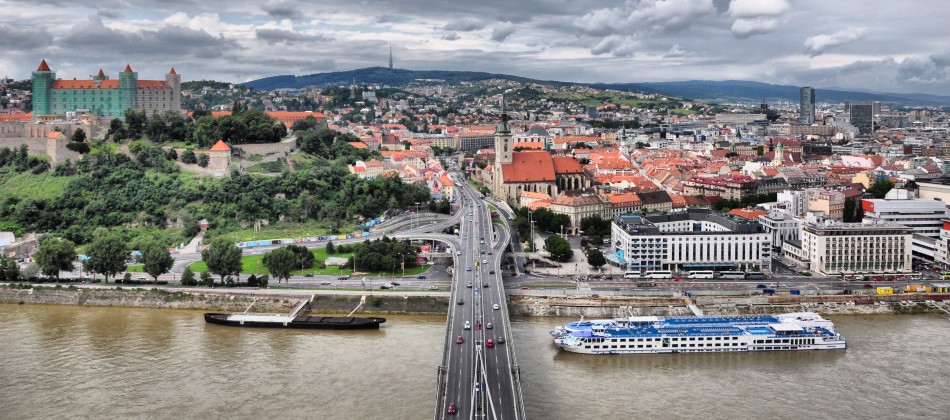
707,90
381,75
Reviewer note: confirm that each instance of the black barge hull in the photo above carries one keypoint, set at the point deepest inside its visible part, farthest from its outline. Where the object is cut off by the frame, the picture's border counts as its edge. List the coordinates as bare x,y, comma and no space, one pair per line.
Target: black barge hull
303,322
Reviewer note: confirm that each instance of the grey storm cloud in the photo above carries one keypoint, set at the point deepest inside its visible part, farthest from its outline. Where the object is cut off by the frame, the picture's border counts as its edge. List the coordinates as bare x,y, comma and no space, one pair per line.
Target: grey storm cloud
278,36
169,40
451,36
23,39
464,25
282,10
502,31
932,69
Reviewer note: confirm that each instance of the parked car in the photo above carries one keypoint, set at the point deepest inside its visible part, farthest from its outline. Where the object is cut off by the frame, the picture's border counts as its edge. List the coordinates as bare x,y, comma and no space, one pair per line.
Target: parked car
421,277
308,275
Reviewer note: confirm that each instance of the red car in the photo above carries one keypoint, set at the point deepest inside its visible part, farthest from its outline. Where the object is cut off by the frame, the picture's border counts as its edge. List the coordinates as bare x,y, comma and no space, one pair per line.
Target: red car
451,409
460,340
879,279
490,343
868,285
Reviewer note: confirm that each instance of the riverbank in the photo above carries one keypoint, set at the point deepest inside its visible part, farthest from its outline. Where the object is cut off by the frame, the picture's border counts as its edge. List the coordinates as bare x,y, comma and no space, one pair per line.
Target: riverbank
283,300
224,300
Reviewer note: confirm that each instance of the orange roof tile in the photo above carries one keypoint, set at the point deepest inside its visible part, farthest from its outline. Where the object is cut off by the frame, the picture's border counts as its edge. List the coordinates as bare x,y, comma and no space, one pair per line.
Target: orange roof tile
20,116
220,146
533,166
43,66
101,73
170,72
357,144
566,165
55,135
128,69
748,213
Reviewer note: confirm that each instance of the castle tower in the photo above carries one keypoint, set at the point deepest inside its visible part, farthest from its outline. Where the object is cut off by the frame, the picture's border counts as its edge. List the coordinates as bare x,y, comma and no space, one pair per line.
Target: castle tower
43,79
173,80
128,91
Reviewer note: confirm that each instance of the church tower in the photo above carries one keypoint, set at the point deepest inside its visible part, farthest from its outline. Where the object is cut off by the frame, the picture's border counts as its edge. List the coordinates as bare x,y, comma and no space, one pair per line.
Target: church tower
779,155
503,154
42,79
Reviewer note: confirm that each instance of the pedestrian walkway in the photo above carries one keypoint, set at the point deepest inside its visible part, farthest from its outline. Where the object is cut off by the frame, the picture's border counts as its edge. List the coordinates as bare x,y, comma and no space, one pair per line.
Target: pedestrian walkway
194,245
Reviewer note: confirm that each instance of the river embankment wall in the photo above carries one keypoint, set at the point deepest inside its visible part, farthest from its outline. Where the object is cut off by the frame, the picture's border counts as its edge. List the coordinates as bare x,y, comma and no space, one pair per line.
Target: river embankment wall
224,301
408,303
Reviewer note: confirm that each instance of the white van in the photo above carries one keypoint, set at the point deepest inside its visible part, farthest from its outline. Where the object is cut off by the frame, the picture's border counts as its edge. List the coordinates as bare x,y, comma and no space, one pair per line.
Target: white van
467,325
701,274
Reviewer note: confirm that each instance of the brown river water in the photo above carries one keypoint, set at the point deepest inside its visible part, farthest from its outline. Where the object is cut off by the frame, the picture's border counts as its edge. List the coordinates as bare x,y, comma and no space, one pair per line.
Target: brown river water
81,362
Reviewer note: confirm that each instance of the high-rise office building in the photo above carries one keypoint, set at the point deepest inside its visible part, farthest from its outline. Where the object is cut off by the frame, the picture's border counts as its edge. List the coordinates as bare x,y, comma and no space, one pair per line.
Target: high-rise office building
806,108
862,118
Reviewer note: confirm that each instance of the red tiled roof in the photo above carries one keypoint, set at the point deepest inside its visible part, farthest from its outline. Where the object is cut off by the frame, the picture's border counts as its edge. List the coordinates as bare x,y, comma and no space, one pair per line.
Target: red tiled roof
748,213
43,66
101,73
357,144
20,116
533,166
170,72
128,69
220,146
566,165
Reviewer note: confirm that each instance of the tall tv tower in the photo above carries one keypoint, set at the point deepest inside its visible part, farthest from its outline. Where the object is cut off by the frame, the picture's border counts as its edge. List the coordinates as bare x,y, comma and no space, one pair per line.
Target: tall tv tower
390,55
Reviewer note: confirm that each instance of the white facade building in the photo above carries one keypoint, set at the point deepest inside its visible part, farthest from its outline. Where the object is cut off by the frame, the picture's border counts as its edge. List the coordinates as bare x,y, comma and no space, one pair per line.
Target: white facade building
923,215
849,248
782,225
695,239
794,201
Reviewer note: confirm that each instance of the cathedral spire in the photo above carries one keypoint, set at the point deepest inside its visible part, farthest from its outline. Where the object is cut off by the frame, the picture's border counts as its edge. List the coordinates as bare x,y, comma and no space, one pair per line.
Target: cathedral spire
503,128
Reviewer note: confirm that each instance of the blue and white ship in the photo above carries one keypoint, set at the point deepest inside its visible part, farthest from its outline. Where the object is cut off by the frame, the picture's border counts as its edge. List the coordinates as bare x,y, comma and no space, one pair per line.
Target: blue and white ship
651,334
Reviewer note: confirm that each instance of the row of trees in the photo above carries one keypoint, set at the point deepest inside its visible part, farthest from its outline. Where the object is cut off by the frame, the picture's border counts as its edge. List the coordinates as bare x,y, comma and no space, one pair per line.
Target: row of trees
107,255
203,129
544,220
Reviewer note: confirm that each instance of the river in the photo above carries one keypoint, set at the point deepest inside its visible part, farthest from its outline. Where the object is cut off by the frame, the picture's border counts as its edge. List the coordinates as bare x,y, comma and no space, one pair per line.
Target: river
82,362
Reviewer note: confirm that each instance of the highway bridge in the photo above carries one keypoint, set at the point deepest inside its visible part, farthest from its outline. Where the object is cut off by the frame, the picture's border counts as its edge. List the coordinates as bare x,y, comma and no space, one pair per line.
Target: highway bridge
479,376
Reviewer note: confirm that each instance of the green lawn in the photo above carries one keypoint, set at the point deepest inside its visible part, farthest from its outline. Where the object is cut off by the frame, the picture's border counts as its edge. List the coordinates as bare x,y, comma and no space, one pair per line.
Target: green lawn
134,268
268,167
251,264
282,231
43,186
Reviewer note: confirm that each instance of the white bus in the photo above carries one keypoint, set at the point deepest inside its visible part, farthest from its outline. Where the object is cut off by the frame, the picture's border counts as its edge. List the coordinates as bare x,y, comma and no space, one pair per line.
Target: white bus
631,274
658,274
702,274
733,275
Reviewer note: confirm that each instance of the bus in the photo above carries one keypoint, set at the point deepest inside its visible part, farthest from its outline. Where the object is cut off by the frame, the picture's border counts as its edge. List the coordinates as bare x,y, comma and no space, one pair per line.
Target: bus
701,274
631,274
757,275
732,275
658,274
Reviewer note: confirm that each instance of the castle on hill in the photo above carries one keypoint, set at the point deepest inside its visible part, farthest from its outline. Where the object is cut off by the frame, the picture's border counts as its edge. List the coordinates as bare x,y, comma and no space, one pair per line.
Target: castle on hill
103,96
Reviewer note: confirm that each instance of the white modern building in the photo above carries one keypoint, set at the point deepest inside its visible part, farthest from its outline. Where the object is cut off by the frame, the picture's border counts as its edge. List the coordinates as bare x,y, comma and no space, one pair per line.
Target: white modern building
794,201
782,226
924,216
850,248
694,239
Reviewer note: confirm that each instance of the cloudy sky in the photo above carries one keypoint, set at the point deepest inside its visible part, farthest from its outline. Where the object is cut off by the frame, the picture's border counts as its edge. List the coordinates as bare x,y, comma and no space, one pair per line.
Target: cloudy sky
886,46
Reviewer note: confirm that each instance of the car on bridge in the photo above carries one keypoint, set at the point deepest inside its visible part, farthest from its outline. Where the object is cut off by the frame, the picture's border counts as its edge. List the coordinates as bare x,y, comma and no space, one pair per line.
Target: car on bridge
491,271
467,325
485,285
501,340
484,261
461,301
468,268
451,409
489,326
460,340
490,343
458,252
495,306
468,285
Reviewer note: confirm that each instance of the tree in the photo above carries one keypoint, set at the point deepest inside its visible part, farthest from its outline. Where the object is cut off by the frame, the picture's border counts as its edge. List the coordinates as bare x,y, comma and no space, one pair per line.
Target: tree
204,160
206,279
155,259
330,250
54,255
222,258
188,277
78,136
880,188
9,272
280,263
595,226
559,249
189,157
595,258
107,255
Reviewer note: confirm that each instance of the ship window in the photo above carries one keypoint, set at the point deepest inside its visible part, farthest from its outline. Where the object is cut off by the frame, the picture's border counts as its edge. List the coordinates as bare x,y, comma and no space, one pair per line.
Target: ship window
586,347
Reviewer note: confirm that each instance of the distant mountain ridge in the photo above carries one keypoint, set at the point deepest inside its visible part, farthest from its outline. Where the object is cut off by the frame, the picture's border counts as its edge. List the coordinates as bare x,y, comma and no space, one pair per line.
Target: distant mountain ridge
707,90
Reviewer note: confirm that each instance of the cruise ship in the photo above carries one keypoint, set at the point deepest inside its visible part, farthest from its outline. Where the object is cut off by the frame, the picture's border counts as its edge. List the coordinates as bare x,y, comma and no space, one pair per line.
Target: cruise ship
651,334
